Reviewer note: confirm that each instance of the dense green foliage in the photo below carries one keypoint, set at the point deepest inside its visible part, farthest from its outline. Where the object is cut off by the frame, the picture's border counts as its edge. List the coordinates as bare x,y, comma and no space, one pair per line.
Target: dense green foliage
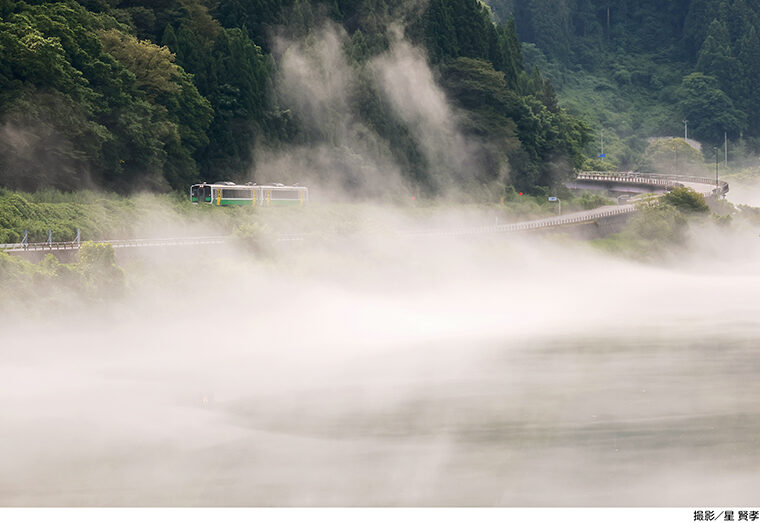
132,94
665,227
673,155
686,200
96,217
94,276
638,68
656,231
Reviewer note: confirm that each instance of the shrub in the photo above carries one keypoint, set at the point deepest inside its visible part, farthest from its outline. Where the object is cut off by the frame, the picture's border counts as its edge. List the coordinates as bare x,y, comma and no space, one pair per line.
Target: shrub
687,200
97,265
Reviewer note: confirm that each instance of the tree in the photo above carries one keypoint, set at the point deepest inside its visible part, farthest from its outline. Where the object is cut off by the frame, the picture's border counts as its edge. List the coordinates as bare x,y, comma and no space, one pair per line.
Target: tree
519,130
687,200
749,57
512,63
709,110
697,22
440,35
153,66
673,155
551,25
716,59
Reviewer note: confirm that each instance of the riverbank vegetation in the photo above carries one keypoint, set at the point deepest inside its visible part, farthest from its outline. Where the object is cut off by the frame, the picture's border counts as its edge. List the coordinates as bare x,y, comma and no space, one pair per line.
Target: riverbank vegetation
95,276
662,227
661,231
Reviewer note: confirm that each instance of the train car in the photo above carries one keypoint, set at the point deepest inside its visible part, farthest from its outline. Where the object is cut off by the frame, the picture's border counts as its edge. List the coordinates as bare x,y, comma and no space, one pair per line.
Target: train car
229,193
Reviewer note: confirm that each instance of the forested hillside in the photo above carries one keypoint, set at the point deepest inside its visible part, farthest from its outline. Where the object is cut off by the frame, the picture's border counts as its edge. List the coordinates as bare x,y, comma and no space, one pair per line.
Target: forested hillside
639,68
159,94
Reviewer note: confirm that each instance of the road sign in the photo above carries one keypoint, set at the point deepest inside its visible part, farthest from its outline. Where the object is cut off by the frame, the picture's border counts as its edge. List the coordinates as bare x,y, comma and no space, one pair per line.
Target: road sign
552,198
602,156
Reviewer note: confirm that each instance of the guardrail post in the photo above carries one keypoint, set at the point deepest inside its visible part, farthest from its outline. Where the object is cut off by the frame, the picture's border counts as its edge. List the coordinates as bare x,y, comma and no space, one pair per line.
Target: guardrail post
79,237
50,238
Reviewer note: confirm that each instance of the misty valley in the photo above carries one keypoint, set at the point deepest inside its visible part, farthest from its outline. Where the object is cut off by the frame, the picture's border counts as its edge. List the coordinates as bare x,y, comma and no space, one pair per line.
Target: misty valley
379,253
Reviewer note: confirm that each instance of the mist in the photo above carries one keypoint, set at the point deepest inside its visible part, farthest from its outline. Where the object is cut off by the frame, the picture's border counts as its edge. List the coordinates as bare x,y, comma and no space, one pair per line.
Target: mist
345,156
409,86
388,370
745,192
34,154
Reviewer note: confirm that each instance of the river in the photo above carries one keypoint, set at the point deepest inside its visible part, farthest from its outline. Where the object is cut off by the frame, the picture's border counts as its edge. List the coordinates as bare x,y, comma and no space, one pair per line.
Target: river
443,373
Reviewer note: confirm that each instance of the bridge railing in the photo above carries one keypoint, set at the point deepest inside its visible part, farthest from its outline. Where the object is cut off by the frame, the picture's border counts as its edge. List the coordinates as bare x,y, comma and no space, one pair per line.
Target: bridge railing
543,223
116,244
653,179
50,246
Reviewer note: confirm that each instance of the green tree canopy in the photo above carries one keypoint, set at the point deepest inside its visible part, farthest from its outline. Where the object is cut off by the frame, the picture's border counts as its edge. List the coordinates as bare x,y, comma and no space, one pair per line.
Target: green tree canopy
709,110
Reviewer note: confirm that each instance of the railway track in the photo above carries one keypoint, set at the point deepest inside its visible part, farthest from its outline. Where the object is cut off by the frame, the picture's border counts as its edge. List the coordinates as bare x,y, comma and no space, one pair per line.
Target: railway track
705,186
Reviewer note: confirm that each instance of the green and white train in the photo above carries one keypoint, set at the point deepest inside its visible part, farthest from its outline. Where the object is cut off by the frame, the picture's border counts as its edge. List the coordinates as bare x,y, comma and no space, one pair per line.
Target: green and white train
228,193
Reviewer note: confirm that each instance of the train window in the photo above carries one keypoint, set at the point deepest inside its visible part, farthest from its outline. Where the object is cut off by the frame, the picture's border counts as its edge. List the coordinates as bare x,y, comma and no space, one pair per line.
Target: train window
194,191
237,193
278,194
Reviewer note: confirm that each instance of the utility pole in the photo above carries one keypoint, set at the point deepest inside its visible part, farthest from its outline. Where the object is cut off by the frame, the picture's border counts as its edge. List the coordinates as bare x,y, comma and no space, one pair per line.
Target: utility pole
559,203
608,21
716,165
725,148
675,150
685,130
602,154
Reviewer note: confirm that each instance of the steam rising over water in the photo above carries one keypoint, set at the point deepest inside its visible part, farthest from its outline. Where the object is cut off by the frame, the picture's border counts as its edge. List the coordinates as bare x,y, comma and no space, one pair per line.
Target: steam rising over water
435,372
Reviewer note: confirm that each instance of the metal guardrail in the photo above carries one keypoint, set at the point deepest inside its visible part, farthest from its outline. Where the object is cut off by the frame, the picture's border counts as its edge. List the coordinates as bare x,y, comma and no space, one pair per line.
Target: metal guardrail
48,246
116,244
543,223
580,217
666,180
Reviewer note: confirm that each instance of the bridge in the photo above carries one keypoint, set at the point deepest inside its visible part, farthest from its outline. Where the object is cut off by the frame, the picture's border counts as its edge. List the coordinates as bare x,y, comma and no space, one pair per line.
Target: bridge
575,218
665,182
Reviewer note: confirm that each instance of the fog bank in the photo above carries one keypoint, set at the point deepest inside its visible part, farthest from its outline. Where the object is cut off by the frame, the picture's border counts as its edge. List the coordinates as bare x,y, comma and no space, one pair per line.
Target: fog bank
381,370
